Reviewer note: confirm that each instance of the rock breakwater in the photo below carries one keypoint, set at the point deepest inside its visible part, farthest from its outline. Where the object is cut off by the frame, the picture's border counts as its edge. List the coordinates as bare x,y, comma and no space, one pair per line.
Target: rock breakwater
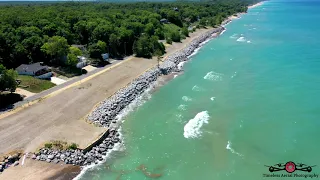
106,112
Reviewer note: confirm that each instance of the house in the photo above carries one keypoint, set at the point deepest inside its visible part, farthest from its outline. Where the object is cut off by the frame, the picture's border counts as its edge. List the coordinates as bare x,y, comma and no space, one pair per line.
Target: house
165,21
37,69
175,9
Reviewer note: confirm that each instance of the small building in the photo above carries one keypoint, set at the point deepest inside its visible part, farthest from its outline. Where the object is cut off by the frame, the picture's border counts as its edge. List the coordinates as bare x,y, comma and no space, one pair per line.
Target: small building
36,69
164,21
105,57
175,9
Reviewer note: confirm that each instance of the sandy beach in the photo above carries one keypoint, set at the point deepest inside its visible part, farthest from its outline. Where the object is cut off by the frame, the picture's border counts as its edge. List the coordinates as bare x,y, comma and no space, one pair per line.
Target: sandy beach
255,5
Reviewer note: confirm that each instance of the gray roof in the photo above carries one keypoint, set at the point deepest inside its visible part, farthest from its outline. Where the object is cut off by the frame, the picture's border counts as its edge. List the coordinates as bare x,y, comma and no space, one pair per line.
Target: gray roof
31,67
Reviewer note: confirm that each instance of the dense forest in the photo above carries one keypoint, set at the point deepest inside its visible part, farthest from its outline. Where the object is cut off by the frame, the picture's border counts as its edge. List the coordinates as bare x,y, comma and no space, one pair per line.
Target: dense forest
44,32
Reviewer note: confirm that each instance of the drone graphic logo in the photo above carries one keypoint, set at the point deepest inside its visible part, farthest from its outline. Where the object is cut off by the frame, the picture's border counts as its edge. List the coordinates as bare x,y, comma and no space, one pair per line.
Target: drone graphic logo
290,167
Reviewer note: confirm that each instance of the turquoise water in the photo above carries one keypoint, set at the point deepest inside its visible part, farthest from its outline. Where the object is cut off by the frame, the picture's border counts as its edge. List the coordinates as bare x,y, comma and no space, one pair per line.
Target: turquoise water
241,103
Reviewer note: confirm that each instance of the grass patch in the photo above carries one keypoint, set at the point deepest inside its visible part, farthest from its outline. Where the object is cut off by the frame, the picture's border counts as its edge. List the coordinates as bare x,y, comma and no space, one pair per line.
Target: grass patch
168,28
68,71
33,84
60,145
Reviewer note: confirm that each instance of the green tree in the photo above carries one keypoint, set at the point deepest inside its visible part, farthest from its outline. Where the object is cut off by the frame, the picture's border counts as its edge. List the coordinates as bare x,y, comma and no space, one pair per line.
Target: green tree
8,79
96,49
185,31
56,47
175,36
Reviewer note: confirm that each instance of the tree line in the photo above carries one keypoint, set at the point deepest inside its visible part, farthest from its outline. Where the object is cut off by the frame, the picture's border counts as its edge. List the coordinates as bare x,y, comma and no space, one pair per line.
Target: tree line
44,32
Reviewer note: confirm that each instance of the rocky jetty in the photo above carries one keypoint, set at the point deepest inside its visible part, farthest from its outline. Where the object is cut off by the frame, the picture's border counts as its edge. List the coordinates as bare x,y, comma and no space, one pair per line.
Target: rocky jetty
79,157
105,114
9,160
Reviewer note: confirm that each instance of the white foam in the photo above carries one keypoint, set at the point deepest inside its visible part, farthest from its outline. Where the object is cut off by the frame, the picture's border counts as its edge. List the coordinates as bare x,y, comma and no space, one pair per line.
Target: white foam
117,147
234,36
186,98
212,98
222,32
180,65
175,76
248,41
232,150
182,107
145,96
192,128
241,39
196,88
230,59
234,75
213,76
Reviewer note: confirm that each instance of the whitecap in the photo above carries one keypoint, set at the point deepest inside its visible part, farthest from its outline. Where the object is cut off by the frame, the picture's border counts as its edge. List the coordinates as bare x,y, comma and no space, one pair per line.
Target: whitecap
212,98
232,150
213,76
248,41
235,73
241,39
186,98
182,107
196,88
192,128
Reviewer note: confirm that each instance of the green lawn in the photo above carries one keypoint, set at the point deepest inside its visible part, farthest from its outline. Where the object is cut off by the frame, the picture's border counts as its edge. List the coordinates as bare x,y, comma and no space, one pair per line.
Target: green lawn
170,27
34,85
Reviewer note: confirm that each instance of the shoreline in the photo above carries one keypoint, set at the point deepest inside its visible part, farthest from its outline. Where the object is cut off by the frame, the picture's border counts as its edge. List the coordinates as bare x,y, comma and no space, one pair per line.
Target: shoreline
256,5
108,110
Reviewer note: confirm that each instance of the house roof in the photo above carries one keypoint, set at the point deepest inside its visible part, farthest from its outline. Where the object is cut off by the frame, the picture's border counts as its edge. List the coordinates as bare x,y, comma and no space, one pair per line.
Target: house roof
31,67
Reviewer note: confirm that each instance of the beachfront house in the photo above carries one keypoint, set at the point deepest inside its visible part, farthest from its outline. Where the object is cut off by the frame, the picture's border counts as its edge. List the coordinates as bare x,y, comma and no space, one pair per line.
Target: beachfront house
37,70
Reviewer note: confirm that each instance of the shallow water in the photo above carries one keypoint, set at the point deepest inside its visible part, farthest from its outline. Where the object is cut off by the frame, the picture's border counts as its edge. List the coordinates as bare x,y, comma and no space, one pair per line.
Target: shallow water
247,99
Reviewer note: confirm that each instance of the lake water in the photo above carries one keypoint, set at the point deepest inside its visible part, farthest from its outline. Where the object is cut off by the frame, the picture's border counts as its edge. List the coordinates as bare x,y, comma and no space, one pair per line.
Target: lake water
247,99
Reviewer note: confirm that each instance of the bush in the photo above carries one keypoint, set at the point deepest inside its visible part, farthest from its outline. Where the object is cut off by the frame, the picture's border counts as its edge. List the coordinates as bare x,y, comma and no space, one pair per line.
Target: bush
175,36
73,146
169,40
48,145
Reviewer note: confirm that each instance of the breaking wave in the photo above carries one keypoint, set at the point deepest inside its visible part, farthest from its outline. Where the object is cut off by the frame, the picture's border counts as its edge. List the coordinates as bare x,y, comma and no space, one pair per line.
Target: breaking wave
192,128
213,76
232,150
212,98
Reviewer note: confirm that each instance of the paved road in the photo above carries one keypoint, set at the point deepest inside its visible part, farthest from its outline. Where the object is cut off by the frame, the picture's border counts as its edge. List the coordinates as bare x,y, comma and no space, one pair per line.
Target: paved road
58,87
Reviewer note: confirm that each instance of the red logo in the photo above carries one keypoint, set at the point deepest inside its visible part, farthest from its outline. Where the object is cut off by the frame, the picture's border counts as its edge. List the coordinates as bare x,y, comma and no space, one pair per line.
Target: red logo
290,167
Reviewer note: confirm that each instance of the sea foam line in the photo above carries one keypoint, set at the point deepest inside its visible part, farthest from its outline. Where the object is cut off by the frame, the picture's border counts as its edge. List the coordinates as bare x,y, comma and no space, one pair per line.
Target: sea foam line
232,150
192,128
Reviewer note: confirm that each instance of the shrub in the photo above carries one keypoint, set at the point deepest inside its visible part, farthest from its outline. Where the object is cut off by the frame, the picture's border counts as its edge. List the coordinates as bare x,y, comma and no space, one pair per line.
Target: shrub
73,146
48,145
